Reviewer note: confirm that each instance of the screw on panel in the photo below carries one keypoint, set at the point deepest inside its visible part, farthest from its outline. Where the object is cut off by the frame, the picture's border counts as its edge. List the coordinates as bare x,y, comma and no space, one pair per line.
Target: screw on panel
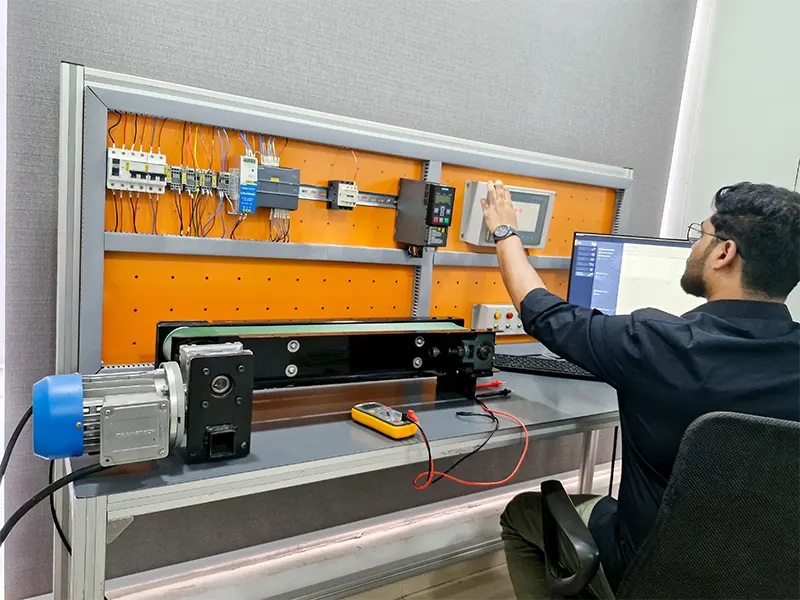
293,346
108,412
291,370
206,371
162,406
162,452
238,399
417,362
106,460
205,404
419,342
241,368
244,444
78,425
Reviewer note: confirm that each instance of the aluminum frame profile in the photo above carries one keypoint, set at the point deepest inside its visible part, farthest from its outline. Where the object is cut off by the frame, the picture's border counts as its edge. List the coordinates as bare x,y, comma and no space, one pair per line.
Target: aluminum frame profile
172,244
423,273
69,254
180,102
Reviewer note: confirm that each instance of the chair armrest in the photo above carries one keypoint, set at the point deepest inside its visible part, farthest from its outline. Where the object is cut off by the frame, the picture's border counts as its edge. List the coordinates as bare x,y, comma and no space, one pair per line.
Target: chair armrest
559,514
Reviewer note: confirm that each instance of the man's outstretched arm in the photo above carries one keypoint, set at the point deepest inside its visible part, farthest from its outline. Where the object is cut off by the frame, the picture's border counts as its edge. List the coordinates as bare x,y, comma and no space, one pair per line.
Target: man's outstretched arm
519,276
606,346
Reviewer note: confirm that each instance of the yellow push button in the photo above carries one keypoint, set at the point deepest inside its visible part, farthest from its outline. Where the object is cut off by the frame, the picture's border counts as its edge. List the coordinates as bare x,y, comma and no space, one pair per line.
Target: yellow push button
497,315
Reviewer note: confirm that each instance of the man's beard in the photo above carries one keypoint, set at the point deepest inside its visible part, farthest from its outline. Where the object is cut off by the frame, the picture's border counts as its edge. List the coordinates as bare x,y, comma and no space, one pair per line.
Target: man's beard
693,283
692,280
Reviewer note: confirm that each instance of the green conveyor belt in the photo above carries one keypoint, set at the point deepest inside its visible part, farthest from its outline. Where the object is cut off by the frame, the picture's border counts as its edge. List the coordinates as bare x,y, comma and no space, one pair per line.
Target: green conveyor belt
288,329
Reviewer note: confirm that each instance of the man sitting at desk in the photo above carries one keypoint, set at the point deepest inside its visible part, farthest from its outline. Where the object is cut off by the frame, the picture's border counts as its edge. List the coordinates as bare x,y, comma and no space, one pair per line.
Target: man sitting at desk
738,352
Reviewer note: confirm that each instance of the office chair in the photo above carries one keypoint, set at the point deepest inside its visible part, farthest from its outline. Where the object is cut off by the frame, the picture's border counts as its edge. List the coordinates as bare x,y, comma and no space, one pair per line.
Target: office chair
728,526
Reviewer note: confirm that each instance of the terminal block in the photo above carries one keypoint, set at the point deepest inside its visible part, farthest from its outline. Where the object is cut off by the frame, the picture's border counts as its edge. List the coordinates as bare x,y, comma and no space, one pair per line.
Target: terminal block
207,181
190,182
175,179
223,182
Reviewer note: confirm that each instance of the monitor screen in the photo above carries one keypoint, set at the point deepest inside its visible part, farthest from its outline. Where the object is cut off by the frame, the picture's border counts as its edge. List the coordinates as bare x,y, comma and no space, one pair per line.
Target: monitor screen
618,274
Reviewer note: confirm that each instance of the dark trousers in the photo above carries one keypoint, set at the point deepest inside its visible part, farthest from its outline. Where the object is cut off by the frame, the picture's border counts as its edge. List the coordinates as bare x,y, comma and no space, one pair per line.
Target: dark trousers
522,535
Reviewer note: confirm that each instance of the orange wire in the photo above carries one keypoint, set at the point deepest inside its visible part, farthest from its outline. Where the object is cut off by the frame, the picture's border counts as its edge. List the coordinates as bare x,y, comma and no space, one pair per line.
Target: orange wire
355,158
124,129
431,473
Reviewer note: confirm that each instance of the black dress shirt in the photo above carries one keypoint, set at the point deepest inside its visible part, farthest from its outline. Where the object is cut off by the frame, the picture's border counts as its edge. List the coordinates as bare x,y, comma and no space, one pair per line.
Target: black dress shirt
729,355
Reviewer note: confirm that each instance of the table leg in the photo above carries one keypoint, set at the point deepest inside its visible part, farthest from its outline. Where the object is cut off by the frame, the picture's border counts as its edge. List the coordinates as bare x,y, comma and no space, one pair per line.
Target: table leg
61,500
88,564
588,460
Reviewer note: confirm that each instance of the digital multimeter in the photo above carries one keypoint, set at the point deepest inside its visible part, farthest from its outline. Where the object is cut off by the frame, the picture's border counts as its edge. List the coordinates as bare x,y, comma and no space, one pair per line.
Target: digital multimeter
383,419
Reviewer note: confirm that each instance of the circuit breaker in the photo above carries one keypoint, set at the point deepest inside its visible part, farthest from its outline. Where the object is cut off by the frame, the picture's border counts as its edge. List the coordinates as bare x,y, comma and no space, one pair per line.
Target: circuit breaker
141,172
502,318
534,210
424,213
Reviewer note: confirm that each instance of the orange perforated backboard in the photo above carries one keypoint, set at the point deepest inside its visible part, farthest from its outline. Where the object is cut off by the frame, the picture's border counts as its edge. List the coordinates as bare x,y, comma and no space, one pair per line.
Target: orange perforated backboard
142,289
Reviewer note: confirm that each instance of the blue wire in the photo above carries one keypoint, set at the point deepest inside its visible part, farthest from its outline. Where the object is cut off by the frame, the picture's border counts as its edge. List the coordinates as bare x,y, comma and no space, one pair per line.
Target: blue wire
244,139
153,208
222,217
213,216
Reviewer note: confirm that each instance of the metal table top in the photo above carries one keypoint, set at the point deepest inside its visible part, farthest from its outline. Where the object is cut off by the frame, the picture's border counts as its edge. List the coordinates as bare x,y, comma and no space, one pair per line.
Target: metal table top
298,454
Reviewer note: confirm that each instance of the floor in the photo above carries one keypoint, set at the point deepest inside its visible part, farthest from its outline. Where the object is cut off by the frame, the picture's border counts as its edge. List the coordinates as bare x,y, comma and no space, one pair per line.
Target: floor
484,577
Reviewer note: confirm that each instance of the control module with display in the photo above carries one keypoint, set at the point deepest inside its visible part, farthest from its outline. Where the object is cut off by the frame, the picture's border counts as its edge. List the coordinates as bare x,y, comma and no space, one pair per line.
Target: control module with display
534,210
424,213
500,318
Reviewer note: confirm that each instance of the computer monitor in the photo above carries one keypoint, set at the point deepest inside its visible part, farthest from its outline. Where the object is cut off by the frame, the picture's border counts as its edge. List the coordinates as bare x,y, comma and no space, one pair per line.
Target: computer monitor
619,274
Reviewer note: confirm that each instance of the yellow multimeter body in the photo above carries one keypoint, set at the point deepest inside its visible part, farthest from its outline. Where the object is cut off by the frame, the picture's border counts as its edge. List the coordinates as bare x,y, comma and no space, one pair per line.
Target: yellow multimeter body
383,419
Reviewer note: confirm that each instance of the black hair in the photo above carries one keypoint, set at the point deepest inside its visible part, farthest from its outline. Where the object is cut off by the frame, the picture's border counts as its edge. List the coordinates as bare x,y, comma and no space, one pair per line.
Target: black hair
764,221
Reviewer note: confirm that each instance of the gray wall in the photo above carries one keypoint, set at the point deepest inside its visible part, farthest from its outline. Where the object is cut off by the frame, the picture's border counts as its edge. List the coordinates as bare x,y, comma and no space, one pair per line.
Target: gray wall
598,80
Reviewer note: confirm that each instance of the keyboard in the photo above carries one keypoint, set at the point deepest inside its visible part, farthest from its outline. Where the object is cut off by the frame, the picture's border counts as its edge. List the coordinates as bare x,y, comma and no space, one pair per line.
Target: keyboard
538,364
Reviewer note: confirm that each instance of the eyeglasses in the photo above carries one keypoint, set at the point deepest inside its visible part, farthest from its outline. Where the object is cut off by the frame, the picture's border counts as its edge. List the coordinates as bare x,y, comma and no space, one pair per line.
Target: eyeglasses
695,233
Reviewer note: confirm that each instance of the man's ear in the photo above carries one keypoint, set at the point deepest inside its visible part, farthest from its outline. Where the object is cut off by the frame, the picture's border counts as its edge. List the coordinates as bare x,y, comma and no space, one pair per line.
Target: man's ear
723,254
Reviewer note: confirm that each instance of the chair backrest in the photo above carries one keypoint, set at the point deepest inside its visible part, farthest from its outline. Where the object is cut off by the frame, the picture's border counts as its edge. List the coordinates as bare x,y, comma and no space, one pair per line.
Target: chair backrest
729,523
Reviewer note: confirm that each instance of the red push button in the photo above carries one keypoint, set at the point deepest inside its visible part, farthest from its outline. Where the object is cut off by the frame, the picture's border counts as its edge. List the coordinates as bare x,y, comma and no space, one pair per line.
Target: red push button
509,315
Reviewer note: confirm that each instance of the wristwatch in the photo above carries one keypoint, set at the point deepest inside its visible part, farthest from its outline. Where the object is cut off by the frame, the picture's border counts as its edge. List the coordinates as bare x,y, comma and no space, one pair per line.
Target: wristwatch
502,232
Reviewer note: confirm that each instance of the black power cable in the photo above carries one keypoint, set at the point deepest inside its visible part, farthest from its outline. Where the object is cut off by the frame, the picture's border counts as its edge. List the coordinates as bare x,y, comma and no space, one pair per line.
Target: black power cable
486,415
42,494
110,129
476,450
12,441
56,524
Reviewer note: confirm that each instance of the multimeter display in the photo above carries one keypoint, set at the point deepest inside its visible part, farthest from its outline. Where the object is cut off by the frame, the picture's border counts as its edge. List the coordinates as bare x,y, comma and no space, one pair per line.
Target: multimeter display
384,419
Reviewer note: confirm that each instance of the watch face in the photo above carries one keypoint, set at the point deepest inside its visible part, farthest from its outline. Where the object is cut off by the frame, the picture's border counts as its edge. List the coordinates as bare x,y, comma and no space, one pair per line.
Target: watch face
502,231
